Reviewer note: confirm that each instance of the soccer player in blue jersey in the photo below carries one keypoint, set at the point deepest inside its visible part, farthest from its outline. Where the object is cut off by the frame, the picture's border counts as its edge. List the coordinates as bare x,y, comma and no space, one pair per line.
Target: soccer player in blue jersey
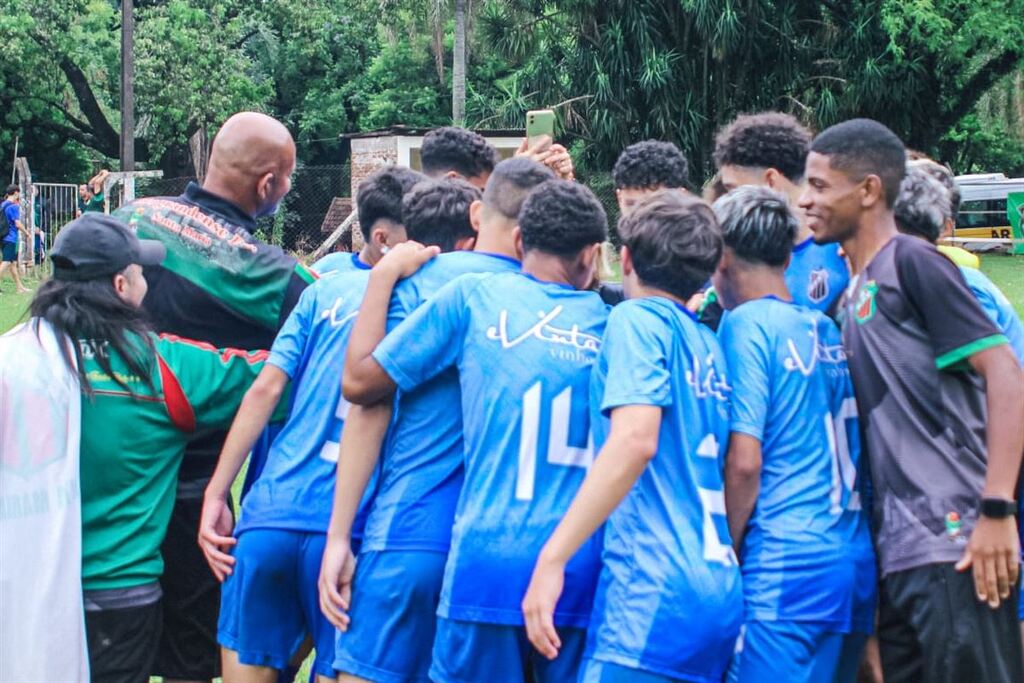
668,604
770,149
521,345
269,603
646,167
791,487
402,564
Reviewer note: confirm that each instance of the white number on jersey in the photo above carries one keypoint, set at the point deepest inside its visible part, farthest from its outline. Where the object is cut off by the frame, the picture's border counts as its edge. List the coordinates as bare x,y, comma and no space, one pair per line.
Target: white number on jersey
844,471
559,450
712,502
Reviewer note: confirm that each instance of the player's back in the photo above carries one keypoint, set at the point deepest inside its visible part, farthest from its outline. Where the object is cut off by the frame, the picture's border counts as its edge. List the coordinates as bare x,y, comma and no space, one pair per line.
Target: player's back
816,275
295,488
669,599
422,455
807,540
526,349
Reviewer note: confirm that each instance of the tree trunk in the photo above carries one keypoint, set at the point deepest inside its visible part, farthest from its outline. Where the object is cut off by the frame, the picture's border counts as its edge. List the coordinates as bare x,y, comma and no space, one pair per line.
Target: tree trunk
459,65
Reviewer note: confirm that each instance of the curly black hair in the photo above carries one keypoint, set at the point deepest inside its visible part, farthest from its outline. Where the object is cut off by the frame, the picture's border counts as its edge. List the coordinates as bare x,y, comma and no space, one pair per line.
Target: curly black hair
379,196
651,164
757,224
674,242
436,212
562,217
767,140
457,149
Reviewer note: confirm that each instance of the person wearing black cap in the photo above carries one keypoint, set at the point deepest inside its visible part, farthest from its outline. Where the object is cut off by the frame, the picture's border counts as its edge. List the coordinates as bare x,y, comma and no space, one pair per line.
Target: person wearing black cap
143,398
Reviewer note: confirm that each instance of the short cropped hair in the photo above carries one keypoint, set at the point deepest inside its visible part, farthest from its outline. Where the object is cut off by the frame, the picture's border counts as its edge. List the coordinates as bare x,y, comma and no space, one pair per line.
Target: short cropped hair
379,196
511,182
674,241
768,140
457,149
11,189
650,164
945,176
758,225
861,147
922,206
561,217
436,212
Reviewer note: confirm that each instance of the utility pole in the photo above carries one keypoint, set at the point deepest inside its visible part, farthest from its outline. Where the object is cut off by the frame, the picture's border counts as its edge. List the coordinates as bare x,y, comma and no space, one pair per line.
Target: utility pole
127,85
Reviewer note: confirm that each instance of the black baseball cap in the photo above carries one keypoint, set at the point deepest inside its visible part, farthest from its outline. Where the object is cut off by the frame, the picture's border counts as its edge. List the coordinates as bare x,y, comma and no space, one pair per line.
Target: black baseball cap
96,245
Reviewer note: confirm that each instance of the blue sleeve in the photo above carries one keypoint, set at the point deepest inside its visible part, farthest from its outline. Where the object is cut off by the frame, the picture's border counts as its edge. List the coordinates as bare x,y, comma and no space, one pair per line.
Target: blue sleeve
638,371
429,340
404,300
13,212
747,353
290,344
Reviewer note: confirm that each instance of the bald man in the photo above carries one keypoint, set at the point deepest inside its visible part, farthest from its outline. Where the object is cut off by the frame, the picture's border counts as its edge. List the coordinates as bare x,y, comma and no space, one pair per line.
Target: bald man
220,285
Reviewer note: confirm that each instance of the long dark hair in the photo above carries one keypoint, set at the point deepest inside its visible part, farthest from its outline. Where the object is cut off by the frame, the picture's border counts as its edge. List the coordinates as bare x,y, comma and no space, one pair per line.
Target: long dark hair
92,311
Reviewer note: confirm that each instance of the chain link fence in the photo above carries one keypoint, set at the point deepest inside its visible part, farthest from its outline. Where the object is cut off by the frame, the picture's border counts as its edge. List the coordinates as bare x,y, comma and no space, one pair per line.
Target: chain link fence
299,225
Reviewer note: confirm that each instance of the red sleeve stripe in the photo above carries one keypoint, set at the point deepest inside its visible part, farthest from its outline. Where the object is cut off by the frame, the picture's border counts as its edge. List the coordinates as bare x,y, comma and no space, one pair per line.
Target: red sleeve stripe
251,357
178,407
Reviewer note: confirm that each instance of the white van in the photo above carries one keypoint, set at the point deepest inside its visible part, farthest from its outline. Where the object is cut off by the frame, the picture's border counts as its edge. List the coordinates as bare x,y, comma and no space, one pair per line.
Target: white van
983,205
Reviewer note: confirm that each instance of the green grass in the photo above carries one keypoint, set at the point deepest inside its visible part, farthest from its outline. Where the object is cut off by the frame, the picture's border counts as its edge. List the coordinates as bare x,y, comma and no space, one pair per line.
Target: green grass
14,307
1008,274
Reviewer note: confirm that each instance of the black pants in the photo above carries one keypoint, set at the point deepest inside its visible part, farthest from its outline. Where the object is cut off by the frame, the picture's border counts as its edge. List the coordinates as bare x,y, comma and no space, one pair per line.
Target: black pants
932,628
188,644
123,643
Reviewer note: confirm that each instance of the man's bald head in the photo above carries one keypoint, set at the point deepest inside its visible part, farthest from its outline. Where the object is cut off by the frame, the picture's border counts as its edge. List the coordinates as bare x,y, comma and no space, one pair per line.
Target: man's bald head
251,162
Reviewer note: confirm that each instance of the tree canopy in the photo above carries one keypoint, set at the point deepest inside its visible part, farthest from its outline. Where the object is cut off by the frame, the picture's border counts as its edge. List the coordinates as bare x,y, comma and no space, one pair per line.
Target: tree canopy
944,74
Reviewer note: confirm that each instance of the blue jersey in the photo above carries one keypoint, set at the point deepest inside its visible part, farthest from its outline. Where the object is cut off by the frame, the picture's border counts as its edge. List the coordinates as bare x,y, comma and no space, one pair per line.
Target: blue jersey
295,488
807,553
817,275
669,600
339,262
523,350
11,214
997,307
422,456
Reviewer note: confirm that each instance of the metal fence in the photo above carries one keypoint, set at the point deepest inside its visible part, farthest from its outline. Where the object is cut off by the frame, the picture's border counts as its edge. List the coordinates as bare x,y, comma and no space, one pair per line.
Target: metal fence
298,226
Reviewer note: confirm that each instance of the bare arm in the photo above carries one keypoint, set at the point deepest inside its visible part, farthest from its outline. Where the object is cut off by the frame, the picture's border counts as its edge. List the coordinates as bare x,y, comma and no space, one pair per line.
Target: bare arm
361,440
742,483
216,522
364,380
994,547
632,443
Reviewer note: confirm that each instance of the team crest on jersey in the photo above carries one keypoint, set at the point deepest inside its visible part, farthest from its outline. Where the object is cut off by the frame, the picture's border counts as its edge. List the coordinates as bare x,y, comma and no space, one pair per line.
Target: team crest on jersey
864,304
818,288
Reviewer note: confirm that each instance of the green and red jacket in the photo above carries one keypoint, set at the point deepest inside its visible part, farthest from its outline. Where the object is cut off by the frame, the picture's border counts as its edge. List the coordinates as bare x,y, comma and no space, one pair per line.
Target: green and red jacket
132,445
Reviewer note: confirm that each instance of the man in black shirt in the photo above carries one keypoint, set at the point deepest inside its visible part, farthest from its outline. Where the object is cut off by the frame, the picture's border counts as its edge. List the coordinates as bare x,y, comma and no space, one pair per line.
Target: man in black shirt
221,285
941,402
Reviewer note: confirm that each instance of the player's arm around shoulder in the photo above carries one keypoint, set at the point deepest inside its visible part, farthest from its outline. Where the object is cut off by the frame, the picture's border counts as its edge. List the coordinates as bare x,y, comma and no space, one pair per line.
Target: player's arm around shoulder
364,381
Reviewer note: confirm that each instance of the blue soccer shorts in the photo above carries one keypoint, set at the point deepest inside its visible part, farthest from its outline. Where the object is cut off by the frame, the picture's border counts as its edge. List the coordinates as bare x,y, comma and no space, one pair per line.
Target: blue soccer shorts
271,601
394,614
795,652
471,652
596,671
